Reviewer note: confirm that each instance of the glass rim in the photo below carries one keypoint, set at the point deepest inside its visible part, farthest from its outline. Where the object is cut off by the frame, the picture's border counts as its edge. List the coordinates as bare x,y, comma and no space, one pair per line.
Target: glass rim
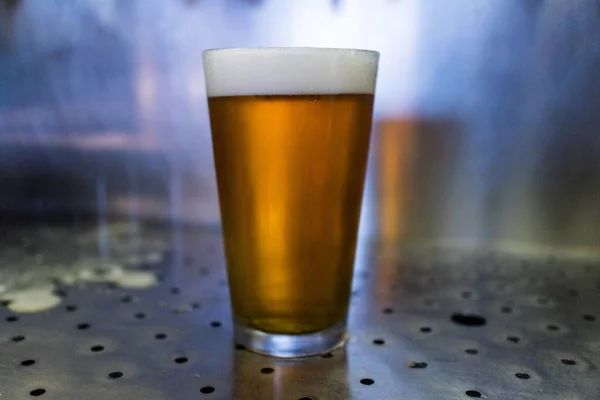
290,48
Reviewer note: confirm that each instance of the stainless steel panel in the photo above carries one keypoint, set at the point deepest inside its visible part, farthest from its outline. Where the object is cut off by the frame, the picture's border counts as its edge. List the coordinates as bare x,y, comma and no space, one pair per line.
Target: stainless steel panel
424,324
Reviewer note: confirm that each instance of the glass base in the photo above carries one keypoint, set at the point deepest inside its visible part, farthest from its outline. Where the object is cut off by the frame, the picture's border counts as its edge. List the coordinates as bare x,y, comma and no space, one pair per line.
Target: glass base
291,346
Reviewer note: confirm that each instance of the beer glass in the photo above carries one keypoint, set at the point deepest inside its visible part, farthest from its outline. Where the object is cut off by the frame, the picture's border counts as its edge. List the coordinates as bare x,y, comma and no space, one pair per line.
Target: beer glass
290,130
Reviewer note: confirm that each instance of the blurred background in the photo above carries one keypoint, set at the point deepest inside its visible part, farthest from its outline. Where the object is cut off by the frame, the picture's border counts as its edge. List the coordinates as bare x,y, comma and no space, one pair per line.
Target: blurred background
486,131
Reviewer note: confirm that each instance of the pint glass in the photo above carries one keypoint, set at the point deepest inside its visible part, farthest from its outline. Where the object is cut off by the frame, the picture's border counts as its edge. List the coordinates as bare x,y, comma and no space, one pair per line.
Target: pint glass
290,130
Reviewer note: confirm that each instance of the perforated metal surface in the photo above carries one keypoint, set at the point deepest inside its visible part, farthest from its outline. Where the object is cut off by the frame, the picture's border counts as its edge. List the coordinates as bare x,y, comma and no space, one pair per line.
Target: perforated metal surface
423,326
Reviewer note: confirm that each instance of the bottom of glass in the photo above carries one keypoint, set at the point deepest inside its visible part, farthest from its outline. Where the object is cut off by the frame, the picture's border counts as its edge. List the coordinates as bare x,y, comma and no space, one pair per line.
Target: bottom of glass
291,346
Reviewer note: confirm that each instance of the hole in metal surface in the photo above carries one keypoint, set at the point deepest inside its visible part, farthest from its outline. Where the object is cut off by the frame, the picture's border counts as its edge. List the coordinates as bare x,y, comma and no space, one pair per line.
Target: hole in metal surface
468,319
388,310
207,390
521,375
83,326
501,287
181,360
367,381
71,308
542,301
115,375
379,342
425,329
532,280
417,365
589,317
473,393
472,351
180,310
215,324
513,339
327,355
507,310
12,318
27,363
160,336
195,306
18,338
175,290
553,328
306,398
240,347
140,315
568,361
429,303
126,299
60,293
267,370
96,348
37,392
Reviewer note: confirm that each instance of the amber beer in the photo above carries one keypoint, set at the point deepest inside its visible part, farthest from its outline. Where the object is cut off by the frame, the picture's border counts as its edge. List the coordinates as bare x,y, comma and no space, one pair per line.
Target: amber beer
290,170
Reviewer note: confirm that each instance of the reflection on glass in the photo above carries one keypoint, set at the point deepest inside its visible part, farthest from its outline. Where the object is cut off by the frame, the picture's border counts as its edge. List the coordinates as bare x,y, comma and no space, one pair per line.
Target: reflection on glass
255,378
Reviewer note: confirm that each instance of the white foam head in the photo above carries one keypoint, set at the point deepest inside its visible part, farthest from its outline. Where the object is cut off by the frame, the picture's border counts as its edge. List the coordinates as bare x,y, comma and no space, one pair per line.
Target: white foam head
289,70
